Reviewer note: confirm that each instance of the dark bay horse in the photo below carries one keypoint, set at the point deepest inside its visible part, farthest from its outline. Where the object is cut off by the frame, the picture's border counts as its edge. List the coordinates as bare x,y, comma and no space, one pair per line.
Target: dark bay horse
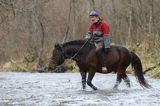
118,58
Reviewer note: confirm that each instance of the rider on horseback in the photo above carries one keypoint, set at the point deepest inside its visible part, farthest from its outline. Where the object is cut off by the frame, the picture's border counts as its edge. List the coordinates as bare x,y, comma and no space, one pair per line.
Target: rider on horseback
99,31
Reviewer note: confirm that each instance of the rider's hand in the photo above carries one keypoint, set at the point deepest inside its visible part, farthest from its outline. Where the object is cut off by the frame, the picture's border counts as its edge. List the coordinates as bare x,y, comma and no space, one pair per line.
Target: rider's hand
88,35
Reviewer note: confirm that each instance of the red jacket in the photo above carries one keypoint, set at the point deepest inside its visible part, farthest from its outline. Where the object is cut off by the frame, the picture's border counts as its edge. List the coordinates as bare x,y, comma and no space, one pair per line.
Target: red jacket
102,25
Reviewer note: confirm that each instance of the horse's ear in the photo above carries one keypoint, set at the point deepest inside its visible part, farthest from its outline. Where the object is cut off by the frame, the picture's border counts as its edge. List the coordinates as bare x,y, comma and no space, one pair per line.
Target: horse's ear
58,46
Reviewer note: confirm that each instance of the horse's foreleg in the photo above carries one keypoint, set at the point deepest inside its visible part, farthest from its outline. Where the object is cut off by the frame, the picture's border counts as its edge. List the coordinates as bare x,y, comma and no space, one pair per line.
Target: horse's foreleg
89,80
83,74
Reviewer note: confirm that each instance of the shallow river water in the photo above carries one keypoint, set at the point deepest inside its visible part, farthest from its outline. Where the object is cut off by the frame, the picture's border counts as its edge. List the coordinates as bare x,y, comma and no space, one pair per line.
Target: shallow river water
64,89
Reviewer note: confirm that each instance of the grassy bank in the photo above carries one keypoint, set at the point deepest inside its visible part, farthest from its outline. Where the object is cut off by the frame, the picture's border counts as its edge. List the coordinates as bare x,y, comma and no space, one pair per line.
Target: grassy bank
18,66
155,72
25,66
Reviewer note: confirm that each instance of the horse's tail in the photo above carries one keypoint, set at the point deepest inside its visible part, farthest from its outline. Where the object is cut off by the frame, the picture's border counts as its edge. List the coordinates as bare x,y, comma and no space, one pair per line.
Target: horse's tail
137,66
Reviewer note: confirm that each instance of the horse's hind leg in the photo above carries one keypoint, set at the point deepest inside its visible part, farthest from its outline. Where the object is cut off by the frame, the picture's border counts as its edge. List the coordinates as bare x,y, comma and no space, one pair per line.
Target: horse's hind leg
127,81
89,80
83,74
120,75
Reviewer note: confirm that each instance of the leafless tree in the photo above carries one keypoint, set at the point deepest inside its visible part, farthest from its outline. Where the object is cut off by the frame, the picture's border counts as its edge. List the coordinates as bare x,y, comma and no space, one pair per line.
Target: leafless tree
36,25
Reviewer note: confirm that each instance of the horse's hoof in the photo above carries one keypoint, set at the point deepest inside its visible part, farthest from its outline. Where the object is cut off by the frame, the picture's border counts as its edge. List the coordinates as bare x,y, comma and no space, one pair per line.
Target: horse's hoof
94,88
129,86
83,88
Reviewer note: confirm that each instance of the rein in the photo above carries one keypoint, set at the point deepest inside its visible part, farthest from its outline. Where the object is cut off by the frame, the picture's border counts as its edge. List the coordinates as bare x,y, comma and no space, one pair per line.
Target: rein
79,49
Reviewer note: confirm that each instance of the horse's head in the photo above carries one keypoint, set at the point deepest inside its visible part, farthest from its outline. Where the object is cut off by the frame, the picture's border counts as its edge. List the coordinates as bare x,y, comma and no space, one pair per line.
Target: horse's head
57,57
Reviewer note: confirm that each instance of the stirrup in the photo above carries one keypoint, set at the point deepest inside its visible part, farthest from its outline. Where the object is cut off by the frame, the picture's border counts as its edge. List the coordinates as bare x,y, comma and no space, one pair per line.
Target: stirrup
104,69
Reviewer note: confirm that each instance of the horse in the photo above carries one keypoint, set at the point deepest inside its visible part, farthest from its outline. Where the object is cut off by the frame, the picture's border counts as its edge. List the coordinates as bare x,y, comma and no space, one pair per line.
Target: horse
117,57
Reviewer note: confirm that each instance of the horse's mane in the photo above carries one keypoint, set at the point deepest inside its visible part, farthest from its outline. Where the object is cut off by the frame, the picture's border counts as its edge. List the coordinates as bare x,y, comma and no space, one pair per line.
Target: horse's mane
74,42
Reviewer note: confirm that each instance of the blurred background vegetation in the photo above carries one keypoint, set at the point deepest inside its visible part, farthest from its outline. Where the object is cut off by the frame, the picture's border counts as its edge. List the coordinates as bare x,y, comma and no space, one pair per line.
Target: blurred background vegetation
30,28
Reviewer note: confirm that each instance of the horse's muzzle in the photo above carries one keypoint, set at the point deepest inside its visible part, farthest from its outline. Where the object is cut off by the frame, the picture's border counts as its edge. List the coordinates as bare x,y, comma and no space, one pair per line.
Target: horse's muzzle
51,66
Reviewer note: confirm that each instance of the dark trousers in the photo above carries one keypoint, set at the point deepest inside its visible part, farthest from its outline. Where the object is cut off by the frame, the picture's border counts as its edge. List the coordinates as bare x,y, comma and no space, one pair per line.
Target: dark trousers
101,52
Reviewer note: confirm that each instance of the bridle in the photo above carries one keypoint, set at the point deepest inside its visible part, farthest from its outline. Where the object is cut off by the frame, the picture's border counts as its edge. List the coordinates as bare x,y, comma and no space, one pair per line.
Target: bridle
64,56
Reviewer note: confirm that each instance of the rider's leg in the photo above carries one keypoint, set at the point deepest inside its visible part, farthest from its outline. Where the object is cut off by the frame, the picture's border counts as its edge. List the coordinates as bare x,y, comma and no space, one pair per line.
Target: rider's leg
105,45
100,46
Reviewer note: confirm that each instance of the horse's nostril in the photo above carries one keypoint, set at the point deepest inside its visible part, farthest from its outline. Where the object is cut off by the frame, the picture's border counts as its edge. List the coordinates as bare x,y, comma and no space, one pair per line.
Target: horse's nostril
51,66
